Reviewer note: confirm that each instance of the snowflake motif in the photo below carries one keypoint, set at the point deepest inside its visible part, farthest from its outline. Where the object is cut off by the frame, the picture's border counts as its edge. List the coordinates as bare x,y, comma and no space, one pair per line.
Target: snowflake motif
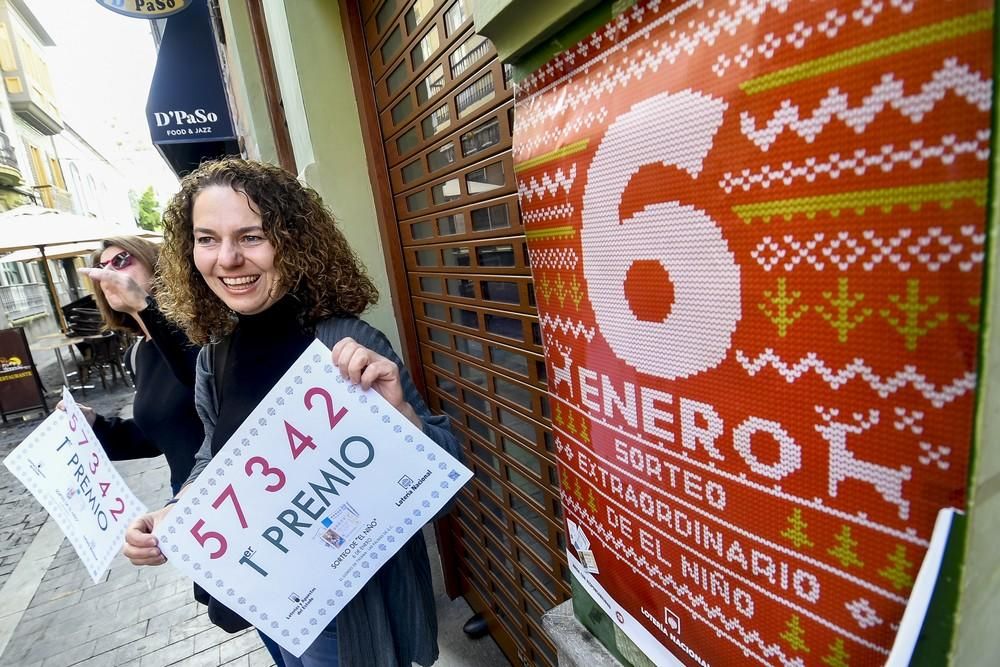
196,566
307,369
289,390
420,448
408,521
769,45
274,624
432,456
279,401
237,452
245,442
442,465
364,564
397,428
373,556
340,378
208,573
203,491
722,63
242,600
211,482
264,617
374,409
347,584
230,592
743,57
227,462
185,558
171,530
317,358
219,584
382,547
362,399
862,612
254,432
799,34
352,389
392,538
329,602
444,485
219,471
426,503
417,512
866,13
173,548
271,412
339,594
832,23
285,633
435,494
321,612
262,421
399,529
385,419
312,621
253,609
297,379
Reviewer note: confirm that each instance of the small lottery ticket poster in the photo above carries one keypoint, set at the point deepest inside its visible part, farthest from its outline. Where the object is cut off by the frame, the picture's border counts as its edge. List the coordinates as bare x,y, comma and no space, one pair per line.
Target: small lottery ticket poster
65,468
315,491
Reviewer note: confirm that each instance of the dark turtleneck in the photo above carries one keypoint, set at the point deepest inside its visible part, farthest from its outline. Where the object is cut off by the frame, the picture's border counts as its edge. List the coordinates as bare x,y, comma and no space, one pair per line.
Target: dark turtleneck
261,348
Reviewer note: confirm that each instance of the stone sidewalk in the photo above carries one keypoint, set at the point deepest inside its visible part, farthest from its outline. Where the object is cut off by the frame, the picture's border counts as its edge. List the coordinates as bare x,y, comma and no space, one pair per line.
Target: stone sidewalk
53,615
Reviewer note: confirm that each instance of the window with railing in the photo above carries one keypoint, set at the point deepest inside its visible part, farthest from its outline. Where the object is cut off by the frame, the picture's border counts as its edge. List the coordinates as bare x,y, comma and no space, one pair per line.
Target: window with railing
20,301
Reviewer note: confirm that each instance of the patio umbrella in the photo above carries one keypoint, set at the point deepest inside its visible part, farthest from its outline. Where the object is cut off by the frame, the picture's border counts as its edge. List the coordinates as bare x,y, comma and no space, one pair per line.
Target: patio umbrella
35,227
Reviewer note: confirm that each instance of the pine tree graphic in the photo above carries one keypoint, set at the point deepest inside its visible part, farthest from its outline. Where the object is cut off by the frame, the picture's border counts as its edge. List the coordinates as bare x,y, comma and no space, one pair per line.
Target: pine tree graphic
844,551
570,423
796,531
838,656
565,479
577,491
898,575
794,635
912,307
584,431
559,417
591,501
779,312
845,314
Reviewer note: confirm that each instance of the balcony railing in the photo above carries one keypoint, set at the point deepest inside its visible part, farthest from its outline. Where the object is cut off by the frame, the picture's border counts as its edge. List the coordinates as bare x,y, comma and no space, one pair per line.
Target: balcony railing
7,156
19,301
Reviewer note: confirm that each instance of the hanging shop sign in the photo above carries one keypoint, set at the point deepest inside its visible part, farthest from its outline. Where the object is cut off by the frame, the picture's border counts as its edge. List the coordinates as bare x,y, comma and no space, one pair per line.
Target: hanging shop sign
20,386
146,9
187,99
756,232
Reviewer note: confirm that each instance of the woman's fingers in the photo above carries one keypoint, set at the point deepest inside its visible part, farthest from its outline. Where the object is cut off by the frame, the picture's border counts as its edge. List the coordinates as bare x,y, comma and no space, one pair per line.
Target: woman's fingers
140,544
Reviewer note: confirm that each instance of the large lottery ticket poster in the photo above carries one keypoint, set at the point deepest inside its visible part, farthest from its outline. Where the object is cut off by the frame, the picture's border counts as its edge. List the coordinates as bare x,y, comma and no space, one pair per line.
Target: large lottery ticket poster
756,229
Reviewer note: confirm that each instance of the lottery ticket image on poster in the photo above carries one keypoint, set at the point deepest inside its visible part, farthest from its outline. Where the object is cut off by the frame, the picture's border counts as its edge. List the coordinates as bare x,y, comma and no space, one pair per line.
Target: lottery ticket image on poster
339,525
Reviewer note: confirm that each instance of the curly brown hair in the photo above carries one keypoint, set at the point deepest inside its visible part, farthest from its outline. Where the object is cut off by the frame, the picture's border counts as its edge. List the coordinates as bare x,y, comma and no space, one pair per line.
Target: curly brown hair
143,251
312,256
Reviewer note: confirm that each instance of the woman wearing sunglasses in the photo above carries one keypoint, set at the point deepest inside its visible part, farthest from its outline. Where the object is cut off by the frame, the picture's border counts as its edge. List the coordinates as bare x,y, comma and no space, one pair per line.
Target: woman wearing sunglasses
163,364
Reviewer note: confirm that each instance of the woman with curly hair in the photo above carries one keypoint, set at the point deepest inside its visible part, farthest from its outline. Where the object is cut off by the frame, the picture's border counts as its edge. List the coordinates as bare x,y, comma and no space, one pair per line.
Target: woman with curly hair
253,263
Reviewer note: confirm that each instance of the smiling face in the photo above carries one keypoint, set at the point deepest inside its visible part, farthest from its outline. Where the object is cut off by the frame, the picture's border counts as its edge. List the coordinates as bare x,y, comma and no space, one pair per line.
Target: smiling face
131,266
231,252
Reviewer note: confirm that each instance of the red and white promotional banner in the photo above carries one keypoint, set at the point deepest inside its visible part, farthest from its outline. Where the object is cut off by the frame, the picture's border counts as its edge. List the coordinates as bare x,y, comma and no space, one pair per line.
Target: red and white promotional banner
757,229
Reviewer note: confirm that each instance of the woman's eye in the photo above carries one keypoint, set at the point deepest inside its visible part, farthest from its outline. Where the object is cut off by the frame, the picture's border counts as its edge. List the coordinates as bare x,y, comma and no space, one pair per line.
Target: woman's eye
203,240
251,238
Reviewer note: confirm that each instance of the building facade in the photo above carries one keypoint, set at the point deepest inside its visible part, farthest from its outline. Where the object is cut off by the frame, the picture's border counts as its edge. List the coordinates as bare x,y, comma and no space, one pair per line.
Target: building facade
400,113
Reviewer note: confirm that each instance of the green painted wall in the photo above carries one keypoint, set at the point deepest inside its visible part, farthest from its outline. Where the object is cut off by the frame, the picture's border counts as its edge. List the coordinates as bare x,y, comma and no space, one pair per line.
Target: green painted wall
246,83
310,57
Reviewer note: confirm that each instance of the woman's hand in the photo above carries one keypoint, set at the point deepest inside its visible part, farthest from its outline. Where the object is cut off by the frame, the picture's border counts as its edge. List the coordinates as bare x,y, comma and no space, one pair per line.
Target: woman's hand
88,412
122,292
140,545
373,371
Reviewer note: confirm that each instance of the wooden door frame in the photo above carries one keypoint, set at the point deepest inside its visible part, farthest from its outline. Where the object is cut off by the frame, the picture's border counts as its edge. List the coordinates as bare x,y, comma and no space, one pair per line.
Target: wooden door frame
402,304
272,91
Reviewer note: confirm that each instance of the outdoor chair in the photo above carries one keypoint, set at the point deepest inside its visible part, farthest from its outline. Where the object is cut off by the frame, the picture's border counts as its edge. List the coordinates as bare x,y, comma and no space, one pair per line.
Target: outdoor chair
100,353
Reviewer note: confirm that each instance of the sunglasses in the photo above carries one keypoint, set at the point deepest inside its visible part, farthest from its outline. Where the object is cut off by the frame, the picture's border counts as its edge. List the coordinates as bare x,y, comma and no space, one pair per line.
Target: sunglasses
122,260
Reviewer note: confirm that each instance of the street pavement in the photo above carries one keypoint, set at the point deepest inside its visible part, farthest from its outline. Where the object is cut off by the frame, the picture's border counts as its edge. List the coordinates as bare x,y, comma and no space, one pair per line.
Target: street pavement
53,615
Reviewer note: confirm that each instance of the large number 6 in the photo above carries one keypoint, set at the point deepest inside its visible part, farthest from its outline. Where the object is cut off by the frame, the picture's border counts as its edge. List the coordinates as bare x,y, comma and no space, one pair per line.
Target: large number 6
673,129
